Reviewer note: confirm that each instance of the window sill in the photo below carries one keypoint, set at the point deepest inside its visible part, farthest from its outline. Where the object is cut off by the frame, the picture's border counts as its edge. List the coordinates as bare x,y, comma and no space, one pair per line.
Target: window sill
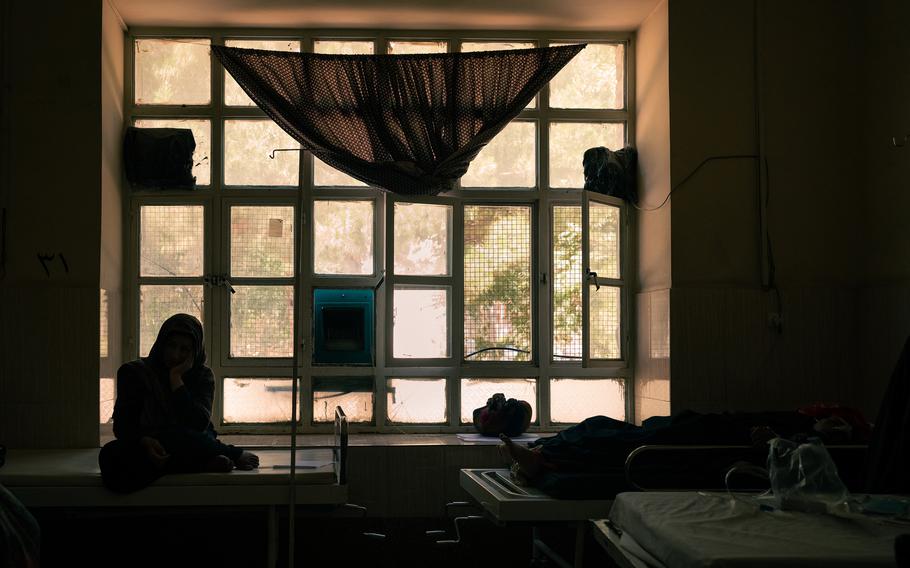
271,441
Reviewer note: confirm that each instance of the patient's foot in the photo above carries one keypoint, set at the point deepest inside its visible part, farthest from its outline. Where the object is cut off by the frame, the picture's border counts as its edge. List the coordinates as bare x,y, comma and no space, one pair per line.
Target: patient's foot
530,462
218,464
247,461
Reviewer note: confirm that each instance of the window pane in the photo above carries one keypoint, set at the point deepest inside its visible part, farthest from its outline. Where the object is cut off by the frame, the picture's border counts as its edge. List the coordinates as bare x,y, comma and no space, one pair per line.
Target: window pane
233,94
507,161
567,314
103,336
107,398
420,322
568,142
416,401
422,239
343,47
170,240
603,239
323,174
258,400
593,79
174,71
476,392
573,400
604,319
343,237
409,47
499,46
353,394
247,145
262,321
157,303
262,241
202,134
497,283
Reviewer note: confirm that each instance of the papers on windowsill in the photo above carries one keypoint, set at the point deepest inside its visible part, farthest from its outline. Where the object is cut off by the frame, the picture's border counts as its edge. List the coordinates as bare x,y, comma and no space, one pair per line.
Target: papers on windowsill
304,464
479,439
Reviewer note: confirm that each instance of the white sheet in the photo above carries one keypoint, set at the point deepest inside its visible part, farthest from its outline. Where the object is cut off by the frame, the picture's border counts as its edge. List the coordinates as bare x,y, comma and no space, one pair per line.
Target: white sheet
691,529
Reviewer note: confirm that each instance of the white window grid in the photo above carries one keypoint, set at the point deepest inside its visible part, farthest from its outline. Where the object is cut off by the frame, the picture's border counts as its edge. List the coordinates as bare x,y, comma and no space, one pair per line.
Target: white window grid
217,201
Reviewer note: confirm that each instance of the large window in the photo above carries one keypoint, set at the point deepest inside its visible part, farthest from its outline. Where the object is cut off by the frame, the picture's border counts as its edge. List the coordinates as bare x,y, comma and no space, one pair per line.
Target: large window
514,283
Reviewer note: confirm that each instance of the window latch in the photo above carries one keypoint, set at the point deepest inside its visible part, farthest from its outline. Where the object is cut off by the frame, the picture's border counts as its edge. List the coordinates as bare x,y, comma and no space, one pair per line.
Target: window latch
592,277
218,280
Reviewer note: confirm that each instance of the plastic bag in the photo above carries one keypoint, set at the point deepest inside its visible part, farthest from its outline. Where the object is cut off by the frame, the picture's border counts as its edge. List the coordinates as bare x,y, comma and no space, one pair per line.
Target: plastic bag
804,477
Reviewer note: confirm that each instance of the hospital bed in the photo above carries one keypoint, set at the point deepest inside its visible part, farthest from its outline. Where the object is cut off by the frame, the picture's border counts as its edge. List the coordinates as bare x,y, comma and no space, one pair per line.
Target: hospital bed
652,467
691,529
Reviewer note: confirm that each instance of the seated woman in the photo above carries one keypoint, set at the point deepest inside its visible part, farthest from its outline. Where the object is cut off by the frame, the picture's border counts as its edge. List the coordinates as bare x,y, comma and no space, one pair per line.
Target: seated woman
162,415
574,462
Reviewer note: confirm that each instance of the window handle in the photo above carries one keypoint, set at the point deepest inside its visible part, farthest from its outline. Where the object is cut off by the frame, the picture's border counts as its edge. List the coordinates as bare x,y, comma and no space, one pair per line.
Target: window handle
592,277
218,280
227,283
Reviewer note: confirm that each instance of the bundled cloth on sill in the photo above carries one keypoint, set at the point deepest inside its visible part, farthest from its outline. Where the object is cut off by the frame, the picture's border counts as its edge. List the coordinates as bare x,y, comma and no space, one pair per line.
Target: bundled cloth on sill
612,173
409,124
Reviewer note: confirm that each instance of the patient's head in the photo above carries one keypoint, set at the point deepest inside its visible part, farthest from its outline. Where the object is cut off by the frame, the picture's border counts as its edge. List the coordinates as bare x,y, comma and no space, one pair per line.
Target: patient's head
834,429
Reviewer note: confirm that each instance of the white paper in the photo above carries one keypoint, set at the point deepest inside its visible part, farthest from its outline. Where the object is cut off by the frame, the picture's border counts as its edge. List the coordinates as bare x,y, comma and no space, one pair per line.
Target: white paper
480,439
304,464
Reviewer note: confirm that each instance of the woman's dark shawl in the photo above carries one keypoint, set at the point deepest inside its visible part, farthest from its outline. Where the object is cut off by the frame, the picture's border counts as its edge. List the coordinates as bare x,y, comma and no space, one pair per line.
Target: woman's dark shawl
409,124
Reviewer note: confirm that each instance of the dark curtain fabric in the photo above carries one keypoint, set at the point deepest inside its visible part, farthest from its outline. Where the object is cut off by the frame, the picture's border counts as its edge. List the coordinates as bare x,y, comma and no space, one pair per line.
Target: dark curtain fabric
409,124
888,463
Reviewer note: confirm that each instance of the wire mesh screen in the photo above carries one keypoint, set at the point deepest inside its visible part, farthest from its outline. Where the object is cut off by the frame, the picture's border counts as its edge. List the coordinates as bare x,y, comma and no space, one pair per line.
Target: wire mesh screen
103,336
171,240
497,283
262,241
567,313
476,392
259,400
202,135
159,302
573,400
605,323
343,237
416,401
262,321
603,239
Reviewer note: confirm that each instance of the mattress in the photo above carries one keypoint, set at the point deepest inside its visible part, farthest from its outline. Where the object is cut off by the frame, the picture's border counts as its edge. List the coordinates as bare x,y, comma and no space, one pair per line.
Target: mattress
699,529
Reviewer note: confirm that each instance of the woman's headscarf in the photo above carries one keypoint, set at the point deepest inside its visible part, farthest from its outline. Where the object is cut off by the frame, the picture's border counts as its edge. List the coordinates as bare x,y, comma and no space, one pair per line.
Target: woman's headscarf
183,324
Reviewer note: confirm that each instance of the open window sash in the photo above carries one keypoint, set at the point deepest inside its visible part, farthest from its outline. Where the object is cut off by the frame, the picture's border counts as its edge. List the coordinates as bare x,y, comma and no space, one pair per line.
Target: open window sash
604,274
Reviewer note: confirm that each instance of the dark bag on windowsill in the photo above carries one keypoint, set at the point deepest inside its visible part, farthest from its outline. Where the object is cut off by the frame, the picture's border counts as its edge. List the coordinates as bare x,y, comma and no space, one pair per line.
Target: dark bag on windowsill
612,173
500,416
159,158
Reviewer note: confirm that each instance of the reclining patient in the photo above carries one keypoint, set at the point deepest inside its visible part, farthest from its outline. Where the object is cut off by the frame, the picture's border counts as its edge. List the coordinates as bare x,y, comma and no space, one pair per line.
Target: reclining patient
571,463
162,415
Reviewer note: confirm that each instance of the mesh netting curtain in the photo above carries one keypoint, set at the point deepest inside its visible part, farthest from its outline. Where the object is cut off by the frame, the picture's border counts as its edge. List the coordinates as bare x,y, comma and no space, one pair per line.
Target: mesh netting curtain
409,124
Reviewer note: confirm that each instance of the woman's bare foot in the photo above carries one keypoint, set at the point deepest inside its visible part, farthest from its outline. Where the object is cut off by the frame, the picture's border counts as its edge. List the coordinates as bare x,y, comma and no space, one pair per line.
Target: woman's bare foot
530,462
247,461
218,464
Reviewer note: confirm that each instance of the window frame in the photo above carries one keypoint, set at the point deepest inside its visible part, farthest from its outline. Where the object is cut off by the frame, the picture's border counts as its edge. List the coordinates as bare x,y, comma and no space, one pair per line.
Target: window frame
217,199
